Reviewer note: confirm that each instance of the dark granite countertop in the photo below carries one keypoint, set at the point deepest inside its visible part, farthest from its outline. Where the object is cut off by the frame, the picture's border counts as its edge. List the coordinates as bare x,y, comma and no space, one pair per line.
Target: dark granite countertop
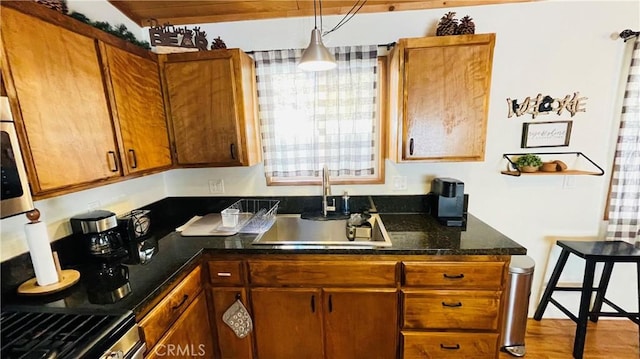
410,233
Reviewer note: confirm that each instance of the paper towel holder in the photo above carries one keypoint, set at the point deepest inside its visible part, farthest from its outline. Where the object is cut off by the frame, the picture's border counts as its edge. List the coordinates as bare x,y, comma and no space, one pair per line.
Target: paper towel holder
66,277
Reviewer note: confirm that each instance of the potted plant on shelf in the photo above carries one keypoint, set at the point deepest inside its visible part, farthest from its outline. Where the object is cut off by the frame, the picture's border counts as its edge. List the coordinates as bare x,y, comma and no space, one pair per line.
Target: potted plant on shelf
528,162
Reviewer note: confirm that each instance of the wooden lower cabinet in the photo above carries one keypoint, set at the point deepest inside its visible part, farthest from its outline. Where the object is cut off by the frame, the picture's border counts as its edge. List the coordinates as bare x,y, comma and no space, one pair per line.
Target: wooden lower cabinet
420,345
354,323
189,337
230,346
287,322
360,323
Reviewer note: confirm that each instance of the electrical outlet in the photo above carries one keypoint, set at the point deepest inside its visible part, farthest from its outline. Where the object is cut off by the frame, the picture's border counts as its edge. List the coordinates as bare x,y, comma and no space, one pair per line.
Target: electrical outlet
399,183
92,206
569,182
216,186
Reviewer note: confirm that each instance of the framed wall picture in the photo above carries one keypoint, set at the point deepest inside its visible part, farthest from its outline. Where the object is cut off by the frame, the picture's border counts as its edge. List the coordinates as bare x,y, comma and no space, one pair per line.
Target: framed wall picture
546,134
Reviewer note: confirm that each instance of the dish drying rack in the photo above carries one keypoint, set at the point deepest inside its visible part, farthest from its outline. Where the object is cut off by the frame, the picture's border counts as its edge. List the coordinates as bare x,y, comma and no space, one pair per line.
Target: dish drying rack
251,215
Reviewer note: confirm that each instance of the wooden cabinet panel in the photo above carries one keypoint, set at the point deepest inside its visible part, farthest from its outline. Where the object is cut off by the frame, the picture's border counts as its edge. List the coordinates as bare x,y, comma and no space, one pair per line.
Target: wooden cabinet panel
454,274
226,272
419,345
471,309
360,323
328,273
230,346
156,322
443,102
189,337
211,98
138,109
288,323
63,105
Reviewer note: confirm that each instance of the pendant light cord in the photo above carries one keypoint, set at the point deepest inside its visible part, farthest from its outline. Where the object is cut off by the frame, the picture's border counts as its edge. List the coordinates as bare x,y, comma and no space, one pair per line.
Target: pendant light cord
315,16
349,14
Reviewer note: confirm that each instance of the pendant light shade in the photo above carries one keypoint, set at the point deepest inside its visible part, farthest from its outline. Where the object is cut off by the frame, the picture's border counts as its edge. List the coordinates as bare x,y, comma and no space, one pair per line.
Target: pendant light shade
316,57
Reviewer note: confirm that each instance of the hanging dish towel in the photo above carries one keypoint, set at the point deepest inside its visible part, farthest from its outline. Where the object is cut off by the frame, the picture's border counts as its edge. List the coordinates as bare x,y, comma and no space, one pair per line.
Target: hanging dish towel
238,319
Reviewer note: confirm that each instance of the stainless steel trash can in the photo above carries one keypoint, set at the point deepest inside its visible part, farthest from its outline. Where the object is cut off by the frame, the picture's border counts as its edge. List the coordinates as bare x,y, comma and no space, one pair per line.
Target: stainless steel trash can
517,308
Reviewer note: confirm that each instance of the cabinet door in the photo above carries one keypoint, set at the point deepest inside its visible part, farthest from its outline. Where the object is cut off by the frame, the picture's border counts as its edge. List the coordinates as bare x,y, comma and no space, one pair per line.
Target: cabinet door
202,100
231,347
287,323
189,337
361,323
138,110
446,89
62,101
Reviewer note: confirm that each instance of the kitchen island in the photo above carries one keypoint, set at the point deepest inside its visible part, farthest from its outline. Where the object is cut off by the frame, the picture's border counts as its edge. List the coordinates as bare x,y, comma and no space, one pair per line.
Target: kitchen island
464,268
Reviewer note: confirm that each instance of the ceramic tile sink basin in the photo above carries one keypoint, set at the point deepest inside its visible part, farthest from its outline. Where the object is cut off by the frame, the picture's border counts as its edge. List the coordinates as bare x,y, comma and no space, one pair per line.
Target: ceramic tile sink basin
291,230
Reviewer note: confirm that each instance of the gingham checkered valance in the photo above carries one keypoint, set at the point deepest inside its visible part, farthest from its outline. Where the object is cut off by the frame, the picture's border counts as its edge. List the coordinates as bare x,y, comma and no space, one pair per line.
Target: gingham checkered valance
308,119
624,203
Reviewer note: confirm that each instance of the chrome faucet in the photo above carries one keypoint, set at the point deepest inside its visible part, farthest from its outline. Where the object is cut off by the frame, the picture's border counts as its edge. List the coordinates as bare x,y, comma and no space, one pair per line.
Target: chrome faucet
326,191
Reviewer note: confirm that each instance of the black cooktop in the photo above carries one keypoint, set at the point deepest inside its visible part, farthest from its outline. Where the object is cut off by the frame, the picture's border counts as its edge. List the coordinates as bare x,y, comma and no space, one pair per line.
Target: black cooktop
45,332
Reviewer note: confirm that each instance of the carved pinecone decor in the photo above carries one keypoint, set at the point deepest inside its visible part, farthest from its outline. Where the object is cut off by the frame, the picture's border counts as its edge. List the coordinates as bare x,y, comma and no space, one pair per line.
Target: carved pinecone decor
447,25
466,26
58,5
218,44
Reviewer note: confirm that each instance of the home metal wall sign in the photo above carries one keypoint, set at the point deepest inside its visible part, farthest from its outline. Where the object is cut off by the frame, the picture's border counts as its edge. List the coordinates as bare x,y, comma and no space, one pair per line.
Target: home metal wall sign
169,35
544,105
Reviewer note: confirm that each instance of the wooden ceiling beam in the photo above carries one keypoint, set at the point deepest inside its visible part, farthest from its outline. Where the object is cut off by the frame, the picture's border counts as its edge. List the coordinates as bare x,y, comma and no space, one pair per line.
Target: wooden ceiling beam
200,12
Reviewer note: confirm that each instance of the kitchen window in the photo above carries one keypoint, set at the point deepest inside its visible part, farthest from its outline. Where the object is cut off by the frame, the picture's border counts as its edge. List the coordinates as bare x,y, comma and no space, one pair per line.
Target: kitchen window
309,119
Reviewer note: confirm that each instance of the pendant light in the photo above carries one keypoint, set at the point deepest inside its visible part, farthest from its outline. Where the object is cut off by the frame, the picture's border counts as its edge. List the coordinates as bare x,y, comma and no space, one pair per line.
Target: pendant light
316,57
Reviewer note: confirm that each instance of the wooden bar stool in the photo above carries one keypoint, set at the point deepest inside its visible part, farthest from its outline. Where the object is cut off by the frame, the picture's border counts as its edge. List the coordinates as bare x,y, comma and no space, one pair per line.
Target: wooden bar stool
607,252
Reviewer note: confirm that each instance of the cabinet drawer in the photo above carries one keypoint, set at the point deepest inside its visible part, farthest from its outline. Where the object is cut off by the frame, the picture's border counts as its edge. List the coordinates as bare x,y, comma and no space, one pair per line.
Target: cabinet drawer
420,345
334,273
169,309
454,275
226,272
451,309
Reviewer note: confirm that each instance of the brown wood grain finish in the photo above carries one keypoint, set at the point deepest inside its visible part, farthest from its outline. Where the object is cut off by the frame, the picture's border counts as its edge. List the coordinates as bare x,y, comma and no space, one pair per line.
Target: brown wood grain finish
360,323
443,92
288,322
230,346
226,272
440,309
329,273
160,319
420,345
189,337
211,100
453,274
200,12
138,110
63,105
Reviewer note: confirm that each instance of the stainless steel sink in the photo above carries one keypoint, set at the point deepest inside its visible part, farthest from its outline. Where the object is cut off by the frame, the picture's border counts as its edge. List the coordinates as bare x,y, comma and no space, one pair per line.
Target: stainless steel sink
290,230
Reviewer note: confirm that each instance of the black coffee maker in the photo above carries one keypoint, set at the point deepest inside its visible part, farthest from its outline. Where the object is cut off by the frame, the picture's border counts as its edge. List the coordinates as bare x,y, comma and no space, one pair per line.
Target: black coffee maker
447,201
134,228
98,230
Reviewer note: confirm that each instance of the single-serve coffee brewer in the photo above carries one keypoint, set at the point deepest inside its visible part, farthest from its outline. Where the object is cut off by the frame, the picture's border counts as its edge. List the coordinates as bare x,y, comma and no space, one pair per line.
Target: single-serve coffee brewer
447,202
98,230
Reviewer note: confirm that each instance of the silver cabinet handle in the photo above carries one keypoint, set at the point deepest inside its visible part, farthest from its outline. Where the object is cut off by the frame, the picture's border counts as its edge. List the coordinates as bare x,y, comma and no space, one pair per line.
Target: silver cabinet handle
224,274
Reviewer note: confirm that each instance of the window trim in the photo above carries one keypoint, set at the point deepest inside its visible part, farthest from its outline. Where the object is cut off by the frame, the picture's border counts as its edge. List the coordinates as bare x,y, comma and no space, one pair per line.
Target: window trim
383,123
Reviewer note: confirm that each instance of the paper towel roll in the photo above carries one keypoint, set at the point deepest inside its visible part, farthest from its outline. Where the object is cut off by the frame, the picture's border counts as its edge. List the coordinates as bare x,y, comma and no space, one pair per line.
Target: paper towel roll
41,256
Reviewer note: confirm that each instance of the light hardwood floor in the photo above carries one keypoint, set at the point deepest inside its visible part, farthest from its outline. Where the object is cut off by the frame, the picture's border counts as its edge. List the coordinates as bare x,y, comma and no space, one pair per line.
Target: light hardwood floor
607,339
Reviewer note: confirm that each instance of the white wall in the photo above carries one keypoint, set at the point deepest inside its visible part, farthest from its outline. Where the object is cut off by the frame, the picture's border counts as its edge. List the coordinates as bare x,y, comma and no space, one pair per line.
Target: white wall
551,47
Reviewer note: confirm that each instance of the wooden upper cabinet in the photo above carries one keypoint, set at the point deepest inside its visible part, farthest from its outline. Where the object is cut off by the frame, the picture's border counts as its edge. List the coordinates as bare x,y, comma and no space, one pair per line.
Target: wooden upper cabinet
439,98
138,109
211,100
64,117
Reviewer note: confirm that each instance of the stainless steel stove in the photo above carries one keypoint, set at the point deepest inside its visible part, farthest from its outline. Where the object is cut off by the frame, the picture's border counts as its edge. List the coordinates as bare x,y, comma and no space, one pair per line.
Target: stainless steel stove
43,332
